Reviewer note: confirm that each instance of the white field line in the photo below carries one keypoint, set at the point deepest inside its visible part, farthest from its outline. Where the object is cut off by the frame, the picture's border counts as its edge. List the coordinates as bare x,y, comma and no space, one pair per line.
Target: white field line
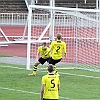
77,75
23,91
81,75
10,89
13,67
59,72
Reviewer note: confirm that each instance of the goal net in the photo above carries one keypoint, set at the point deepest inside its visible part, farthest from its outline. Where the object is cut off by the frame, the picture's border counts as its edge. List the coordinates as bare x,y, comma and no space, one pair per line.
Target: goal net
80,30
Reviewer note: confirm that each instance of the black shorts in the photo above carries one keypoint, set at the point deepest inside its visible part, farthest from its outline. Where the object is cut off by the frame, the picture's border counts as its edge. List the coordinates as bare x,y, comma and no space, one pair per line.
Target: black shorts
53,62
50,99
42,61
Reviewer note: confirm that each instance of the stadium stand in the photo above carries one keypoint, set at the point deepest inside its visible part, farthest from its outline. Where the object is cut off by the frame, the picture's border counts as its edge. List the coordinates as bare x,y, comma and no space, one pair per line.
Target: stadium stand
20,5
12,6
90,4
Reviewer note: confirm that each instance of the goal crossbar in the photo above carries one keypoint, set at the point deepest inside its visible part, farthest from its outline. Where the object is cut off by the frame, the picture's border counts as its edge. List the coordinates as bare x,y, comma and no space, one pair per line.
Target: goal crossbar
63,8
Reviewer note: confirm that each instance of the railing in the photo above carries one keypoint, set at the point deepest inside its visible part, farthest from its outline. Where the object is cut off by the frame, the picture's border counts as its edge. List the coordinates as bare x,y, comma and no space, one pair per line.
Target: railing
42,18
13,18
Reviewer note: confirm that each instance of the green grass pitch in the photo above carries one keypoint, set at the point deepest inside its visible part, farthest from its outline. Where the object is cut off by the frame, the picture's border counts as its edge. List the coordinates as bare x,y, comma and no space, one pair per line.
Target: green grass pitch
15,84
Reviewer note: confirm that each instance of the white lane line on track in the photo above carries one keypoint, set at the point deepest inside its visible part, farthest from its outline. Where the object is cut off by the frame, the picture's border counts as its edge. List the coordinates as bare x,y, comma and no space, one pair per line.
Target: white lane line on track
59,72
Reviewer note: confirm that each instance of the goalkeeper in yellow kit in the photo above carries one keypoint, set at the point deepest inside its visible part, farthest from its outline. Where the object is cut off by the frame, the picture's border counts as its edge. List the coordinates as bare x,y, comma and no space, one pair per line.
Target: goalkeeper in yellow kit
57,49
41,58
50,85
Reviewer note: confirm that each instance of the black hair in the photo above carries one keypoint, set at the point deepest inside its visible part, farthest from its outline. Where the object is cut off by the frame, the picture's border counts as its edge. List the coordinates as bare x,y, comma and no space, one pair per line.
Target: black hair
50,68
44,43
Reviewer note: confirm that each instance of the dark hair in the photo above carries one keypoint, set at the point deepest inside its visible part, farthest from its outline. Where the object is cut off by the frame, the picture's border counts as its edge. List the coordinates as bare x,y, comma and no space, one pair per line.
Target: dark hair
44,43
50,68
59,36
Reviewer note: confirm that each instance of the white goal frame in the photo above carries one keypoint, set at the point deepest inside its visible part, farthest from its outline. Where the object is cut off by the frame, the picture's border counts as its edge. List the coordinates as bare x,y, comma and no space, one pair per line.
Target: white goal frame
81,18
62,9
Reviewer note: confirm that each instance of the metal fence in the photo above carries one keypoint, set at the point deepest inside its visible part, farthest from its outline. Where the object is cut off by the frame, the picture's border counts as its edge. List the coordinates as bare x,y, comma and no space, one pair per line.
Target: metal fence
13,18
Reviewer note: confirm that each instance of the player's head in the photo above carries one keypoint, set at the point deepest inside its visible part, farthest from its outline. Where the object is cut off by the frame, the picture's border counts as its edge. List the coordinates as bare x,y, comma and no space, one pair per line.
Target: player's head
59,36
50,68
44,45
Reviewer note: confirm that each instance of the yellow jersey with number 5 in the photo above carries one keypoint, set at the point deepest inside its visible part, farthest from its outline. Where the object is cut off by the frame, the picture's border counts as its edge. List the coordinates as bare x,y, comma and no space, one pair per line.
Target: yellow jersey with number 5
51,82
58,48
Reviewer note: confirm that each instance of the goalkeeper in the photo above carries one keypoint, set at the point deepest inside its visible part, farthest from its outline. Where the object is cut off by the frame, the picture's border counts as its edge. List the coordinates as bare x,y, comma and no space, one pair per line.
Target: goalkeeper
57,49
41,58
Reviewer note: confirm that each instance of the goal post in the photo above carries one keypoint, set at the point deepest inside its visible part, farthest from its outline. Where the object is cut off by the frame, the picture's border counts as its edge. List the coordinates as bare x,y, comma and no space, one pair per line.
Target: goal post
80,30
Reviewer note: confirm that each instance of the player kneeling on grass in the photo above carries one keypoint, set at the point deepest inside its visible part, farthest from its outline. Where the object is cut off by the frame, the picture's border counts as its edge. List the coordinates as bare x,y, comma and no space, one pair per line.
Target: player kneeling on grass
50,85
41,58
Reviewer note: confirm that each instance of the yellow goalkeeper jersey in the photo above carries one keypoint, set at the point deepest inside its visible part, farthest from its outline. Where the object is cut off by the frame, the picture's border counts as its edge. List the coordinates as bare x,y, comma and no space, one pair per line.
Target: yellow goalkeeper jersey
58,48
43,52
51,82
